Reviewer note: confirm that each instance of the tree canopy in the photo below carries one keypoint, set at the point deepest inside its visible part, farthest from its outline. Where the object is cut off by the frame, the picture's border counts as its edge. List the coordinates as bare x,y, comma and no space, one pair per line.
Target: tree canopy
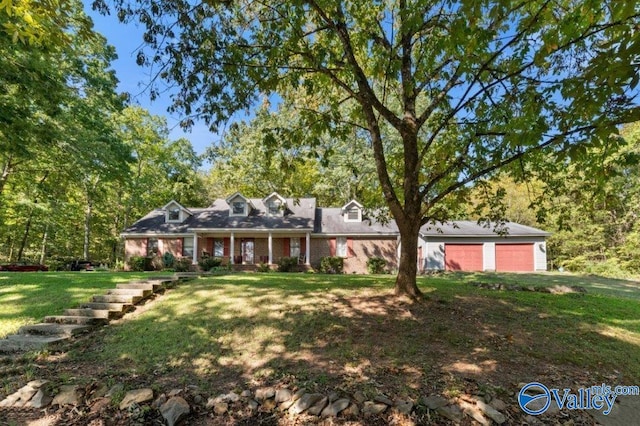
462,89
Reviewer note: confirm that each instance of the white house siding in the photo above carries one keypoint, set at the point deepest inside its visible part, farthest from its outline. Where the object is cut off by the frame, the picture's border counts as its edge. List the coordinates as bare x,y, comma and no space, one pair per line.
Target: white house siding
540,253
433,250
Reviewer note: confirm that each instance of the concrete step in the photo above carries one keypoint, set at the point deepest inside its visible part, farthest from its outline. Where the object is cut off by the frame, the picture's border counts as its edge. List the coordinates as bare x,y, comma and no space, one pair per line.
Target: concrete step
116,298
23,343
52,329
113,308
74,319
152,286
91,313
136,292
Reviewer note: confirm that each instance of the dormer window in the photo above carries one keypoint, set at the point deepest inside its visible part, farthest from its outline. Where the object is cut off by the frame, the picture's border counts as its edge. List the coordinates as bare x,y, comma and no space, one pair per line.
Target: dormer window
275,204
274,207
238,207
174,214
352,211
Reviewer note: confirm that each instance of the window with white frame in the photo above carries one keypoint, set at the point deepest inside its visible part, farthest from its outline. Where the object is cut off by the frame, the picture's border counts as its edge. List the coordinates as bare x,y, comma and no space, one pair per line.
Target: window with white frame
218,248
238,207
274,207
174,214
341,246
187,246
353,214
294,247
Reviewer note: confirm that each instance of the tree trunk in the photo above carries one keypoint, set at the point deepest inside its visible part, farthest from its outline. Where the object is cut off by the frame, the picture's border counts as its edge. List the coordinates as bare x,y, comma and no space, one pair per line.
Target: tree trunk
408,267
43,248
25,236
87,228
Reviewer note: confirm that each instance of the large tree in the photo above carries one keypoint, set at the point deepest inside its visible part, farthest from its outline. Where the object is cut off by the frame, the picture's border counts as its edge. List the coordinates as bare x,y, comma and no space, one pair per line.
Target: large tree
466,88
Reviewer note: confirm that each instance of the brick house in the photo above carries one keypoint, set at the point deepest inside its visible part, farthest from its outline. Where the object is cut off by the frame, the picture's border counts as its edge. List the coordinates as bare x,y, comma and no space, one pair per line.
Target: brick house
249,231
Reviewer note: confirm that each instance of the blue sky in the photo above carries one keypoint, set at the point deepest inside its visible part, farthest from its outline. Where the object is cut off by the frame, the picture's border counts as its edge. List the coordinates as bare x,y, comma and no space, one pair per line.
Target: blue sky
126,39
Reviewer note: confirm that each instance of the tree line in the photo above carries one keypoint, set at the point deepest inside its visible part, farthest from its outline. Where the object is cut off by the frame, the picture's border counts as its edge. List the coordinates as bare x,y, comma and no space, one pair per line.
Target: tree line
78,162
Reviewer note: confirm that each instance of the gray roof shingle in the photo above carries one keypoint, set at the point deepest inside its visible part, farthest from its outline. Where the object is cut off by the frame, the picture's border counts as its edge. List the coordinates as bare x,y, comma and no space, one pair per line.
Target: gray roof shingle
468,228
330,221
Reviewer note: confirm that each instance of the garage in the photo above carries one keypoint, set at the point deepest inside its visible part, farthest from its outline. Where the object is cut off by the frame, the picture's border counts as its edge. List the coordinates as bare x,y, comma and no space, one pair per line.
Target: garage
463,257
514,258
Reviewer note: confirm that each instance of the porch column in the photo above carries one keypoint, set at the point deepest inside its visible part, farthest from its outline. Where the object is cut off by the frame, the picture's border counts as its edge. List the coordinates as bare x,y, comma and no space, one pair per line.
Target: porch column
398,250
232,247
195,249
270,249
307,254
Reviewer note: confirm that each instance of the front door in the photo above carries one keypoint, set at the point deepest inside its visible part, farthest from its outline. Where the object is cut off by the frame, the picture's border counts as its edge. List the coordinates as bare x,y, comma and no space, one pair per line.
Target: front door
247,251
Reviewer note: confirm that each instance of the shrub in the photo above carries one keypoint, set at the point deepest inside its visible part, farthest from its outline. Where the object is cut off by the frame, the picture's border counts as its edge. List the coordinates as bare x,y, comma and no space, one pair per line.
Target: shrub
209,263
264,267
182,264
332,265
155,264
287,264
376,265
137,263
168,260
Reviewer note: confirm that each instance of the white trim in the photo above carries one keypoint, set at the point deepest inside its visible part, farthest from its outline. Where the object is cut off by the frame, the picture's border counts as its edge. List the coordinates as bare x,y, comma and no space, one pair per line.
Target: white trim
307,249
156,235
195,249
355,234
248,230
270,248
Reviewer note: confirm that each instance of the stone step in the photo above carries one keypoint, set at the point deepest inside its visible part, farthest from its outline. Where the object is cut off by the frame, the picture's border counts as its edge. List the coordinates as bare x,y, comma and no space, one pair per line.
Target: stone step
136,292
92,313
113,308
23,343
74,319
116,298
152,286
52,329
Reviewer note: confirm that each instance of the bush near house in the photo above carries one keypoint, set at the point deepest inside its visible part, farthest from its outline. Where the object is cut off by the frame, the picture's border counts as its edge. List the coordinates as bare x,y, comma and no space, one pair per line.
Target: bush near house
139,263
168,260
209,263
332,265
376,265
288,264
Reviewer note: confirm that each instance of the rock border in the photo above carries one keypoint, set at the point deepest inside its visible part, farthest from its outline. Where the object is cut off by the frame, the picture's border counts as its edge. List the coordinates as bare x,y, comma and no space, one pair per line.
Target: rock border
173,406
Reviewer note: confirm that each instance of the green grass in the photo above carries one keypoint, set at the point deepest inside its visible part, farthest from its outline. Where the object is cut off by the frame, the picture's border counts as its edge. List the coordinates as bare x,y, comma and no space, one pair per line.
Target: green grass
27,297
349,332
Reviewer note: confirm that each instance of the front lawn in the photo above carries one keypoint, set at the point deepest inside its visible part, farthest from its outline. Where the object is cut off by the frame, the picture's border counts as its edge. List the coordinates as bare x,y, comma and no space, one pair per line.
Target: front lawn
349,333
27,297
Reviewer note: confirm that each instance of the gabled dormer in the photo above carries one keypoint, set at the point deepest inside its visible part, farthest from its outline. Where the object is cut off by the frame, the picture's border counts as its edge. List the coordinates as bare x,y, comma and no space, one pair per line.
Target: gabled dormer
275,205
174,212
239,205
352,211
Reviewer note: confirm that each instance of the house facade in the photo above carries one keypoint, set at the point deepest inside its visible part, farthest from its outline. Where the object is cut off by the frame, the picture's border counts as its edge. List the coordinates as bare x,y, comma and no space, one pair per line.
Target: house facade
250,231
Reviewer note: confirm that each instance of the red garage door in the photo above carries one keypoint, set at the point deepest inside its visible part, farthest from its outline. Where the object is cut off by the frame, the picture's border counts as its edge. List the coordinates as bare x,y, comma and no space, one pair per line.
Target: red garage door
514,257
463,257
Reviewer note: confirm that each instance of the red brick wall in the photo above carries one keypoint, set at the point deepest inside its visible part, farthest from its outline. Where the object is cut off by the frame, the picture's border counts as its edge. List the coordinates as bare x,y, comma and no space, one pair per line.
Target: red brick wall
362,250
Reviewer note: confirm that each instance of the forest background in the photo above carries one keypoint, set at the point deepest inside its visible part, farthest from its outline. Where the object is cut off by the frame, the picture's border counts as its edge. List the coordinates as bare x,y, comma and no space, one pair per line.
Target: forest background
79,163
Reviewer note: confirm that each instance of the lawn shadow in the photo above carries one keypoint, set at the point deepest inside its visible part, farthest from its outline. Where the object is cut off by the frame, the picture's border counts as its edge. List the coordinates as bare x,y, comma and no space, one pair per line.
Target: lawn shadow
336,333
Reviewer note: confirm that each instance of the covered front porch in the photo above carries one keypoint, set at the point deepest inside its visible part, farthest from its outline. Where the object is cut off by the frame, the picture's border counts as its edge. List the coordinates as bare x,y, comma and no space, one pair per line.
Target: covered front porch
251,248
